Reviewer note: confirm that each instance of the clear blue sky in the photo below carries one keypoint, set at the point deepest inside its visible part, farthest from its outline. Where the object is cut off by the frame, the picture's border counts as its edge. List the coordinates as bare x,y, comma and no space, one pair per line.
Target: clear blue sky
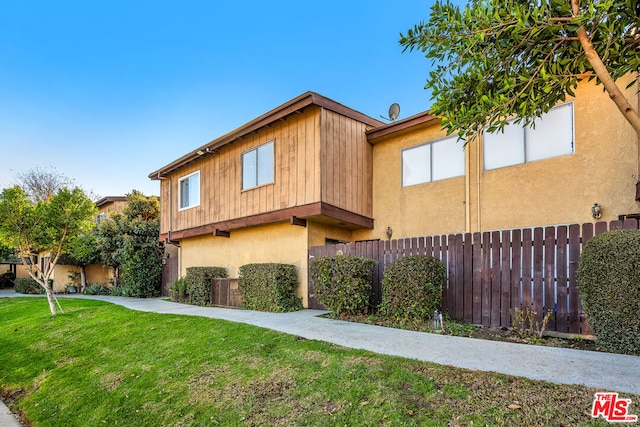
108,91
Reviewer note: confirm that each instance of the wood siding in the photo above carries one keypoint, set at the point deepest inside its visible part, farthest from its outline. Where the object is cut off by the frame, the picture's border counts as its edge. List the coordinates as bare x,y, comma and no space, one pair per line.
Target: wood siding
347,164
302,142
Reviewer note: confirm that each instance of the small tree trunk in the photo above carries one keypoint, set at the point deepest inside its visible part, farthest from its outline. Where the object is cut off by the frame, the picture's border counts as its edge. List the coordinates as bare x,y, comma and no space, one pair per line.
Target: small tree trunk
83,278
51,299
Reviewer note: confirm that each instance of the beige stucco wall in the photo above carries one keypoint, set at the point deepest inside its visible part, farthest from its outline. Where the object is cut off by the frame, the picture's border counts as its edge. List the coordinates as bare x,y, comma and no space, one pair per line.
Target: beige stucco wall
281,243
560,190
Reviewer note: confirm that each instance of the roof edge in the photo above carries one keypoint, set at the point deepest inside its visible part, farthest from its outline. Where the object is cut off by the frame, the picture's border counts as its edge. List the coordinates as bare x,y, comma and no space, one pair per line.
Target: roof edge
423,118
296,104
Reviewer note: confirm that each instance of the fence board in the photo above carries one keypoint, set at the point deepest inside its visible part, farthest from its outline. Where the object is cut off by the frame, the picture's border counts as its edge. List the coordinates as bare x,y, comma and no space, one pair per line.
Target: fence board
574,256
477,278
561,284
467,279
538,266
516,272
527,276
505,278
549,270
495,278
486,279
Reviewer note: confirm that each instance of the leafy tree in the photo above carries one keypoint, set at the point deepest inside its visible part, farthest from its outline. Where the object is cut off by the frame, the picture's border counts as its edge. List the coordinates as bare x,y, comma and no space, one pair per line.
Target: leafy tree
45,225
82,251
128,243
502,58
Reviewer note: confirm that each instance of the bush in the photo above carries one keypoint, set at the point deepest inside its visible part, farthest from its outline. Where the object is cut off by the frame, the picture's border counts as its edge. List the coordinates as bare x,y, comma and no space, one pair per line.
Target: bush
198,283
141,274
609,287
97,289
6,280
28,286
178,290
412,288
343,284
269,287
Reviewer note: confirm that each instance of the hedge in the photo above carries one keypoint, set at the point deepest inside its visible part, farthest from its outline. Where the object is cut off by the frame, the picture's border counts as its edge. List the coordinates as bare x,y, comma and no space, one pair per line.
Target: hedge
609,287
6,280
412,288
343,284
269,287
198,286
28,286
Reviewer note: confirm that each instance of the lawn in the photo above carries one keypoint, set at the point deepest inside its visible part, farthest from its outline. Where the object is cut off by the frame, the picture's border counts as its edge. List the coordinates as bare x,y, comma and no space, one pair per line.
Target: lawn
101,364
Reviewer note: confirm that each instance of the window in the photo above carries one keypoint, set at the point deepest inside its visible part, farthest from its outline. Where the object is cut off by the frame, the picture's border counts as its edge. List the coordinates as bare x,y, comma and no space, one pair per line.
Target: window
551,136
189,191
100,217
432,162
257,166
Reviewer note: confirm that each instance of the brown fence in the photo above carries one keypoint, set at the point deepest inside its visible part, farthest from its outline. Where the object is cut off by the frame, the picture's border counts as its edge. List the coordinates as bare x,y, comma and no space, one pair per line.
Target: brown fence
491,272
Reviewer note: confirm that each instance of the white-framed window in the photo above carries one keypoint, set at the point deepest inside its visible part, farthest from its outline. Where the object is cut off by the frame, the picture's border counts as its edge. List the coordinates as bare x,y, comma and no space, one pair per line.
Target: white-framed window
550,136
433,161
258,166
189,191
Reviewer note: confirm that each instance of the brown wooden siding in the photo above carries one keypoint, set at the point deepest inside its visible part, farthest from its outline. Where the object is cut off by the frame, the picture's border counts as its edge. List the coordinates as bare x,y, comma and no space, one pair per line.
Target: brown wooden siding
299,152
347,164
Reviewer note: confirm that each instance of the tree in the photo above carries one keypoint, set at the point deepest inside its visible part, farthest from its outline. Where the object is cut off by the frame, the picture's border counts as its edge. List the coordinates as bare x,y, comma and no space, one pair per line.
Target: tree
503,58
40,184
82,251
128,243
45,225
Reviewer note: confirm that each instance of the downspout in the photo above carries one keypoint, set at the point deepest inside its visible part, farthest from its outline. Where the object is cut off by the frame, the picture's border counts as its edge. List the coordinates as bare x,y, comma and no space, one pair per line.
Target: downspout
478,173
467,190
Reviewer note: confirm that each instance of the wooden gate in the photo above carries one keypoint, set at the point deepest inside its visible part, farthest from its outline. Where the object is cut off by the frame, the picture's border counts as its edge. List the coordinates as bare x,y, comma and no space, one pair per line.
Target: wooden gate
169,274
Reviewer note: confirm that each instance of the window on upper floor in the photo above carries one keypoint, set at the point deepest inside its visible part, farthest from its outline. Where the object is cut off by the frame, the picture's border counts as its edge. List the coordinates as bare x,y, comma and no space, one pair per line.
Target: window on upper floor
258,166
189,191
434,161
550,136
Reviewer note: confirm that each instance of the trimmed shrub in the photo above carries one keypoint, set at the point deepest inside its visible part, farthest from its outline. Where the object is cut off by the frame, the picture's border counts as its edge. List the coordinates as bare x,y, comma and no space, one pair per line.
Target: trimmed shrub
6,280
28,286
269,287
412,288
198,283
141,274
178,290
343,284
609,287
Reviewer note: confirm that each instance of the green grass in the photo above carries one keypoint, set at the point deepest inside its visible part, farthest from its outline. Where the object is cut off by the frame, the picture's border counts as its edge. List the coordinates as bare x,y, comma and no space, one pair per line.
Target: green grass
101,364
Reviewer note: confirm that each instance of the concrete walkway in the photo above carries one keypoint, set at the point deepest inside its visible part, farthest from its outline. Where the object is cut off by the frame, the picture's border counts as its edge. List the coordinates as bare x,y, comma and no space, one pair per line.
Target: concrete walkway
604,371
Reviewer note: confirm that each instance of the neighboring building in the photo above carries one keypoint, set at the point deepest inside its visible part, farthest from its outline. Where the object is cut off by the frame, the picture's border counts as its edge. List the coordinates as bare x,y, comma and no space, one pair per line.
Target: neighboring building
313,171
109,204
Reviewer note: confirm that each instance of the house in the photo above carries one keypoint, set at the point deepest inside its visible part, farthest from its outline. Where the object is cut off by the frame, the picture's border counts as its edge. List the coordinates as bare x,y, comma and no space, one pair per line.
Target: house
313,172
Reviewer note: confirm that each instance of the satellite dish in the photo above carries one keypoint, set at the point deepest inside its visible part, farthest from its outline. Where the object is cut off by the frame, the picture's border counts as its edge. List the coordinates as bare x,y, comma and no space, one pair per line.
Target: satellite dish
394,112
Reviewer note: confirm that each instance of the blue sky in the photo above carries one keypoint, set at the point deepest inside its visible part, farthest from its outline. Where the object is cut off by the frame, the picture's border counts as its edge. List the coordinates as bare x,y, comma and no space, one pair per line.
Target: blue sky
108,91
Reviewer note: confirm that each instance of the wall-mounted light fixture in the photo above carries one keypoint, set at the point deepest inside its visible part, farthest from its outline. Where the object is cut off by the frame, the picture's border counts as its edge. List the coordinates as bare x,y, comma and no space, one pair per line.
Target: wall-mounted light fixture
389,232
596,211
201,152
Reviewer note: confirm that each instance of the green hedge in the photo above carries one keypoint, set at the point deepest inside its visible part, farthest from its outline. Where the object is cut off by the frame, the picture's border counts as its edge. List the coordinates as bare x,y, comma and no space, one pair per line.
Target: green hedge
269,287
412,288
343,284
27,286
198,286
609,287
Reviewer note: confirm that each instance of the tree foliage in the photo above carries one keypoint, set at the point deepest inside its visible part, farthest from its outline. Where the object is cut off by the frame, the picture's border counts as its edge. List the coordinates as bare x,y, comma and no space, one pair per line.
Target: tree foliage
128,243
45,226
496,59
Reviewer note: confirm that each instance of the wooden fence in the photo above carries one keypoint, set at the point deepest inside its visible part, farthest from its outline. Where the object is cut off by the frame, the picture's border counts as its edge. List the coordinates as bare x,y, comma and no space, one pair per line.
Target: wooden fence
490,273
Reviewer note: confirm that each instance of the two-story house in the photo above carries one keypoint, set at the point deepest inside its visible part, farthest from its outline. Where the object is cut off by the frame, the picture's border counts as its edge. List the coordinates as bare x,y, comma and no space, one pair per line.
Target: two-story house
312,172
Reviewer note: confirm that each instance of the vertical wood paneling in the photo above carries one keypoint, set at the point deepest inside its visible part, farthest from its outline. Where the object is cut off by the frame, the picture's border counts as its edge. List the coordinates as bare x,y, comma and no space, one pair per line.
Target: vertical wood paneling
561,283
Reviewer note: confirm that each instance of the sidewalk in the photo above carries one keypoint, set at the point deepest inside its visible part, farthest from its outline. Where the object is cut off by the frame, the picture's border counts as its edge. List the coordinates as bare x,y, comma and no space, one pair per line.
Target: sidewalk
604,371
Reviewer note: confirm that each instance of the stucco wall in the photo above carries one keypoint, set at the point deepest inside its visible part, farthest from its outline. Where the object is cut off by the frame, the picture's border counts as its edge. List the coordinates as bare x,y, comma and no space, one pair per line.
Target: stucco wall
560,190
281,243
